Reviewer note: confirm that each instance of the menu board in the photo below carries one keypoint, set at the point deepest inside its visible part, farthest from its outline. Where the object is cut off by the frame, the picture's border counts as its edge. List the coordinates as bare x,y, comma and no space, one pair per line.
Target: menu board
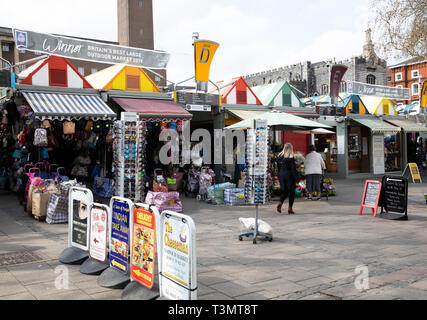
395,196
372,194
120,222
98,232
143,246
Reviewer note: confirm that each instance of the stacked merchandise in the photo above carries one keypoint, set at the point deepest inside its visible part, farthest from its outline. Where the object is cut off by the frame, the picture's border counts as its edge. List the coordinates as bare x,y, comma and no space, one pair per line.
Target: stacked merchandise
258,164
129,159
215,193
234,197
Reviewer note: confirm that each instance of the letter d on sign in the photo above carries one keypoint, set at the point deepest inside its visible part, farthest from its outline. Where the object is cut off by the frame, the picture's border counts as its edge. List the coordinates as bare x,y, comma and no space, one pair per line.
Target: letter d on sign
201,55
362,280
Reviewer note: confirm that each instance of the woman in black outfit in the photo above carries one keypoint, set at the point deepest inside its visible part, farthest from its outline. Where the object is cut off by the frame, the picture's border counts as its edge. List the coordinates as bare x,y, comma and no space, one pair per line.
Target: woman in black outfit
287,177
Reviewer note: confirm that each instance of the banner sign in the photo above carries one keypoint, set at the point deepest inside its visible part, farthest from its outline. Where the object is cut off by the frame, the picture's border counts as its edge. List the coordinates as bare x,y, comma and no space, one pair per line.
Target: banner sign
99,217
337,73
78,208
423,99
87,50
143,246
364,89
371,196
196,98
178,276
120,233
204,51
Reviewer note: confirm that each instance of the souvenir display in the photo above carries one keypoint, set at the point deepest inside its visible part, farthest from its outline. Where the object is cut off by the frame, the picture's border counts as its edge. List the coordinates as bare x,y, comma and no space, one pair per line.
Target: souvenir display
129,158
258,163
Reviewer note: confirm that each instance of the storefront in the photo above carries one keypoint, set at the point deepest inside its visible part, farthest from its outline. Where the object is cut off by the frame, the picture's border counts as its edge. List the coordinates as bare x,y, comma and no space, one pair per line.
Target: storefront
372,145
408,139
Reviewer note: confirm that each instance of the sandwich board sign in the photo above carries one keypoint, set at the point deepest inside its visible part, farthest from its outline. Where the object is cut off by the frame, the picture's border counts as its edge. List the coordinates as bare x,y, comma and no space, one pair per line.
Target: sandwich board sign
178,274
120,236
394,196
99,217
371,196
79,220
143,248
415,173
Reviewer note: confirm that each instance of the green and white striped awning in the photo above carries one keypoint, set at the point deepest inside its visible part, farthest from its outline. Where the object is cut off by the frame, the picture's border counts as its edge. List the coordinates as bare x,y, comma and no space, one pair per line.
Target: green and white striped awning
377,126
61,106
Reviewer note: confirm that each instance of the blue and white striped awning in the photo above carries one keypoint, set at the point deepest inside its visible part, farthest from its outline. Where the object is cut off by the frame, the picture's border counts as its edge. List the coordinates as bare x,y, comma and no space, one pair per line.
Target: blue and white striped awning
61,106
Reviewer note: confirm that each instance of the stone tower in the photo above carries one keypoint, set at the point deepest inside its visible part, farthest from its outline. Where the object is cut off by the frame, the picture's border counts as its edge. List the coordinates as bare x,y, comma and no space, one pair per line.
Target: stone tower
135,29
135,23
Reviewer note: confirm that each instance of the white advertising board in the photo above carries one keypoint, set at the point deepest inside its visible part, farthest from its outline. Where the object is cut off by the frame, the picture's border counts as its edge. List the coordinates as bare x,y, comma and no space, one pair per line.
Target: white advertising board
178,274
79,200
99,218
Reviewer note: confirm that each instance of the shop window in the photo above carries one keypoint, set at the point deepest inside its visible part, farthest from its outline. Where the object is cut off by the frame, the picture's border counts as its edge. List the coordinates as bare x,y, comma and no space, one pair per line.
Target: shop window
415,89
355,104
241,97
324,89
385,108
132,82
343,86
414,74
58,77
287,99
398,76
370,79
388,79
5,48
81,70
93,70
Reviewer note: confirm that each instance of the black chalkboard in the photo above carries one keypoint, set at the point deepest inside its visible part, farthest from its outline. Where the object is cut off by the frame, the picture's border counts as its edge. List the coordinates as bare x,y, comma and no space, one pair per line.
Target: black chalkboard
394,194
371,195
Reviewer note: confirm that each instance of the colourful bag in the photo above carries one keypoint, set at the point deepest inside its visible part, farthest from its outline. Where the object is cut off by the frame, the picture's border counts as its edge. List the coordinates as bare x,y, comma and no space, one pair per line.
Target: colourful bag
40,138
164,201
69,127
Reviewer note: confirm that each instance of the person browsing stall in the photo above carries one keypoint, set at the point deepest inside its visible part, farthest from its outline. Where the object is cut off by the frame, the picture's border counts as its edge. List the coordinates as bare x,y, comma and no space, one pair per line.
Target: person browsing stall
288,177
314,166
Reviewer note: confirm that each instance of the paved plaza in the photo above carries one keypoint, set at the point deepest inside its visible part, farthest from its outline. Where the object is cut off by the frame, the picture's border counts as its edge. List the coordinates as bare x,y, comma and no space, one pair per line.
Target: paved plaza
318,253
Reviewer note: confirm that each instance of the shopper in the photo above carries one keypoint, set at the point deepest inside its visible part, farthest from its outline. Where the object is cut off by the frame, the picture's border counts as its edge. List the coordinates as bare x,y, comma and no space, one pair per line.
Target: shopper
314,166
287,177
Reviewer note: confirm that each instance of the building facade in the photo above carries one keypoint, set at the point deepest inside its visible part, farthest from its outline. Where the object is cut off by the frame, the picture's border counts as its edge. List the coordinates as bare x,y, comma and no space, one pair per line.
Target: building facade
135,29
408,74
313,78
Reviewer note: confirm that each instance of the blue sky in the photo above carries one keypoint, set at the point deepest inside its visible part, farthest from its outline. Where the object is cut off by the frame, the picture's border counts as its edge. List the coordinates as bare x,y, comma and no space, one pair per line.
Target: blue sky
253,35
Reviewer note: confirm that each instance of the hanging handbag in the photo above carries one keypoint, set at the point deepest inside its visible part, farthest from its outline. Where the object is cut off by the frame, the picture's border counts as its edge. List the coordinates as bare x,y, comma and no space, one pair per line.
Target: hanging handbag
46,124
40,138
89,126
69,127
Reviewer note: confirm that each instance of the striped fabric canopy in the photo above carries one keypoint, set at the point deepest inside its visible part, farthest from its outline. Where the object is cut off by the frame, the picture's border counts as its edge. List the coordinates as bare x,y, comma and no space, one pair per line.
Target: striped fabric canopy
60,106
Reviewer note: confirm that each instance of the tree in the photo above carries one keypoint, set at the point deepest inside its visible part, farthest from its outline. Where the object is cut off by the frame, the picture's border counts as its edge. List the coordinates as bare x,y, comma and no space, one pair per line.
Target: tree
400,27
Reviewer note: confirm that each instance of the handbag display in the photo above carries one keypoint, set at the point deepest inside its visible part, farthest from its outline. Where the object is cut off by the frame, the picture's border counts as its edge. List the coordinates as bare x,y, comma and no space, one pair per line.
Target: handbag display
40,138
89,126
69,127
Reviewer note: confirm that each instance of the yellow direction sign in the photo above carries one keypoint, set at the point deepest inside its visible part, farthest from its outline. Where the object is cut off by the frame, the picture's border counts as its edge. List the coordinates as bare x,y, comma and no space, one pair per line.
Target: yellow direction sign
415,173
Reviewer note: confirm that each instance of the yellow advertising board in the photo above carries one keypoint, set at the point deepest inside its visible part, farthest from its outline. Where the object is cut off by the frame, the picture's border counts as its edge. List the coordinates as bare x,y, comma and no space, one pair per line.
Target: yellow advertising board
423,100
204,51
414,172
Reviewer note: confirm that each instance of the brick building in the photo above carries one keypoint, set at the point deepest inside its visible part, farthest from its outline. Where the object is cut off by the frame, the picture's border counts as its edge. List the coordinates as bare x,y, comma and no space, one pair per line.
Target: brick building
313,78
410,74
135,29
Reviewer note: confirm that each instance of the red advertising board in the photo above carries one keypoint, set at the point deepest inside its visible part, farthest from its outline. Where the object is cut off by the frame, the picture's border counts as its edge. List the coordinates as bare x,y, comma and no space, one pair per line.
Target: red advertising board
98,232
143,246
371,196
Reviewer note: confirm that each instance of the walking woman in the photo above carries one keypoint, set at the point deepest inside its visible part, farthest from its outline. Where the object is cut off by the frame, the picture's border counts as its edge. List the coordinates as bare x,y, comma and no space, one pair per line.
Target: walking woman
287,176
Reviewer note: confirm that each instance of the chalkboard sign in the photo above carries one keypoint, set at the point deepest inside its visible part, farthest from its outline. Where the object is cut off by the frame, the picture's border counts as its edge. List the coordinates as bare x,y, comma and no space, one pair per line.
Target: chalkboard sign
371,196
394,197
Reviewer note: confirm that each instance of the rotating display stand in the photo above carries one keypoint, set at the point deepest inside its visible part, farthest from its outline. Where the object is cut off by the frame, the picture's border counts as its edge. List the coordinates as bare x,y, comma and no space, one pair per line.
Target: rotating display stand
129,157
257,171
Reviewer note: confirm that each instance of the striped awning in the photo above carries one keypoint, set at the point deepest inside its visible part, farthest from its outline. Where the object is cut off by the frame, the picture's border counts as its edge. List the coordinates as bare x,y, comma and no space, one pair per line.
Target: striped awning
61,106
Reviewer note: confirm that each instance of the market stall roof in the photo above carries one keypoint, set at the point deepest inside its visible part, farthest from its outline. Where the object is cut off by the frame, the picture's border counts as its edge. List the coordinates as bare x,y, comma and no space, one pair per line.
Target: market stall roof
277,94
245,114
122,77
65,106
379,105
154,110
236,91
407,125
376,125
280,119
